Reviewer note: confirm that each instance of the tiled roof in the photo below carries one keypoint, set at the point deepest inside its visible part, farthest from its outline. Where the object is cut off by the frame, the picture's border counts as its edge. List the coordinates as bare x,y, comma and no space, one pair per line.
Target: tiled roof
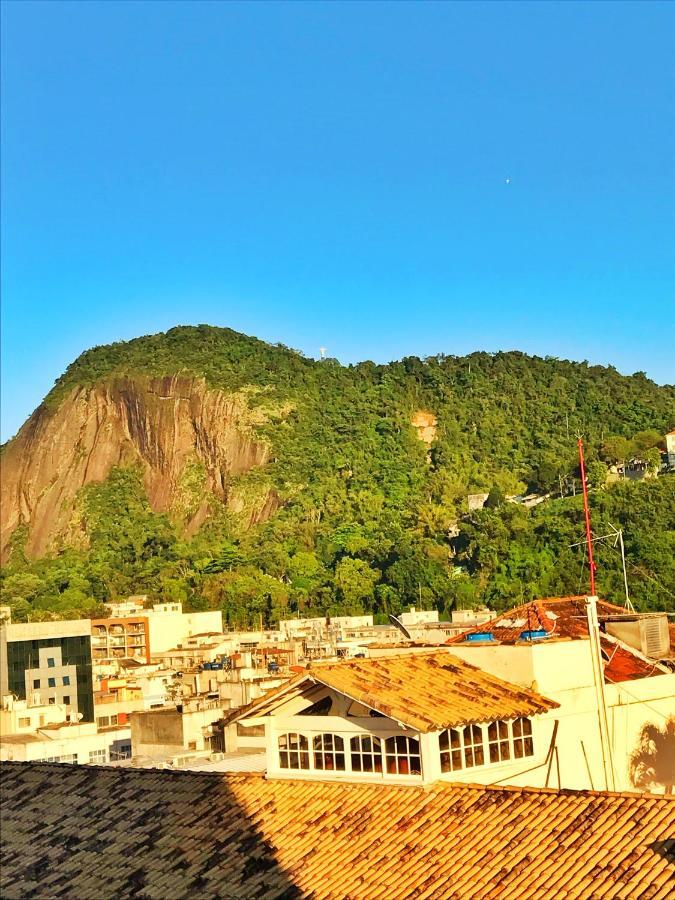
90,832
425,691
565,617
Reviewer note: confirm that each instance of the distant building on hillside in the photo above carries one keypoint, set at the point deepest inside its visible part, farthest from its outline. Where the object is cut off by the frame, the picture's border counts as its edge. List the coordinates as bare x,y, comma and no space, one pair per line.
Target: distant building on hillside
670,449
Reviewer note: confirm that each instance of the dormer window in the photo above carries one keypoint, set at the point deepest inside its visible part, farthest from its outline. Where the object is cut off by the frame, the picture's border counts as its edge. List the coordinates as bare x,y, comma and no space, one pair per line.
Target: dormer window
476,745
473,746
403,755
522,738
293,751
366,752
498,741
450,743
329,752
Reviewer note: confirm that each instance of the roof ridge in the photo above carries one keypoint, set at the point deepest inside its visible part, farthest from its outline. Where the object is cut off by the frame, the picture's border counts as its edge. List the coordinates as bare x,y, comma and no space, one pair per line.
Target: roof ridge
259,776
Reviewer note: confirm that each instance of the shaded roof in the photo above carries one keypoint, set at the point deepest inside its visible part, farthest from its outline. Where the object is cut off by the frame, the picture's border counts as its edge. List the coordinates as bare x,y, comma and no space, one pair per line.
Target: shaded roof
565,617
425,691
88,831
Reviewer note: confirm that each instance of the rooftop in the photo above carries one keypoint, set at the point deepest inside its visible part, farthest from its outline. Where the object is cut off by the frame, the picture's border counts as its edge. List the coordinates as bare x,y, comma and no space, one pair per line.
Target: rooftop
565,617
87,831
425,691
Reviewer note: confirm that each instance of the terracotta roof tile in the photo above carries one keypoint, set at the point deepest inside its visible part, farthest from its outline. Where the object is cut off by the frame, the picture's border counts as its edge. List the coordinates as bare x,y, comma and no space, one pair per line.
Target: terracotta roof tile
565,617
84,831
425,691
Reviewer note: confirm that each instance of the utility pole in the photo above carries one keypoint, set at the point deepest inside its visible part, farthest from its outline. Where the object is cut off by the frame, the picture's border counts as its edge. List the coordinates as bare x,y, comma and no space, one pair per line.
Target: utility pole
587,515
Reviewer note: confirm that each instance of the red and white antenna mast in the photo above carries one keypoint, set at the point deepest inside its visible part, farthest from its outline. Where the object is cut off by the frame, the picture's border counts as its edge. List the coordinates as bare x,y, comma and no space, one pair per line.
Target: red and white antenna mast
587,513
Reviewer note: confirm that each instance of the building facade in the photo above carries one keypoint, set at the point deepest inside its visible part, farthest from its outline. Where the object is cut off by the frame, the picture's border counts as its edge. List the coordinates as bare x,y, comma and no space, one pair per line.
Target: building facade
50,663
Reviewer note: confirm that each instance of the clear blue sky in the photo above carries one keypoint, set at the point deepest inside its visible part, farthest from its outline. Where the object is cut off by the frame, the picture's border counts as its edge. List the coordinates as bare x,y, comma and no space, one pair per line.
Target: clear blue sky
336,174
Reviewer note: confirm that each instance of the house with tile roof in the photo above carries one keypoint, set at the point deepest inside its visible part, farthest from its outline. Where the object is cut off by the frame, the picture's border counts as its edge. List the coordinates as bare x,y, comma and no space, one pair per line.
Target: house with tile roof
409,718
96,832
615,702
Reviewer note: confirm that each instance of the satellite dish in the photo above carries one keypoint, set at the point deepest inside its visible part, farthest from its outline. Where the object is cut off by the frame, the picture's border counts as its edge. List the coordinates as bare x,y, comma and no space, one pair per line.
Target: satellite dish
401,627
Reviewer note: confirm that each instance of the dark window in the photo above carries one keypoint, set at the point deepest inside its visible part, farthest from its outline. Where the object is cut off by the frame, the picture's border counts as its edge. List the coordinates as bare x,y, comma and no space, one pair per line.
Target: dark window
36,684
50,662
522,738
450,743
66,679
403,755
293,751
329,752
498,741
51,682
52,701
366,753
473,746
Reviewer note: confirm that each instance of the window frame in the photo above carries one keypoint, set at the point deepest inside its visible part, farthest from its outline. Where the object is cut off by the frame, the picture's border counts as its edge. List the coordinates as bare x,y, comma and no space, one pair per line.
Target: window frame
374,754
328,751
398,758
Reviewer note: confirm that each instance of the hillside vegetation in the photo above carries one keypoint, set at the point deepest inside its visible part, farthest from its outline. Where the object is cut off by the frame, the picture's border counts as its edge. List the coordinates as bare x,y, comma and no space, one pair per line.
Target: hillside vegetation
372,517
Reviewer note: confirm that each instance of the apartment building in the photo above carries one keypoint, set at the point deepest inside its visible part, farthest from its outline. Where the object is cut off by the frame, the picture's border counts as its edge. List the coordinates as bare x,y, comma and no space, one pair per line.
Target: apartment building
50,663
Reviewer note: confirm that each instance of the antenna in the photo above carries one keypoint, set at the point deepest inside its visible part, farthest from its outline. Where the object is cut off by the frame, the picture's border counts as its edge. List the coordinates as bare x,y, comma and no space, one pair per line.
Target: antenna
322,351
587,516
617,535
401,627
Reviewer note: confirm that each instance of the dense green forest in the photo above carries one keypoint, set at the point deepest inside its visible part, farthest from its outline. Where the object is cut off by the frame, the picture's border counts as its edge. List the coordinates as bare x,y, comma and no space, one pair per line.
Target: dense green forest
373,519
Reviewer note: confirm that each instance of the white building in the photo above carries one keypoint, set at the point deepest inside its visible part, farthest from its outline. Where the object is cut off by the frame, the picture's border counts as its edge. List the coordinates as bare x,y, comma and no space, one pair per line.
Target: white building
169,626
448,714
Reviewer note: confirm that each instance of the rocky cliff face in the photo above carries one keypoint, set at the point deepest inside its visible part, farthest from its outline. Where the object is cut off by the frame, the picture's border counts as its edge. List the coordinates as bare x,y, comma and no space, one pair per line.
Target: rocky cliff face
165,425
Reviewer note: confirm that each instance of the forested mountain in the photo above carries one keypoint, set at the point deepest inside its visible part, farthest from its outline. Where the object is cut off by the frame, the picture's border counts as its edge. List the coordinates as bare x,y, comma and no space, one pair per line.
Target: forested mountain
213,468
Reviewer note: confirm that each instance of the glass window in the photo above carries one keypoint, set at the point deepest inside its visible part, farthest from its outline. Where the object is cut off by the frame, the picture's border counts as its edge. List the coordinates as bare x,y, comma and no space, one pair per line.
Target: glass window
498,741
52,701
66,699
66,680
473,746
293,751
24,723
51,682
113,720
329,752
103,721
366,753
522,738
97,757
50,662
36,684
450,743
403,755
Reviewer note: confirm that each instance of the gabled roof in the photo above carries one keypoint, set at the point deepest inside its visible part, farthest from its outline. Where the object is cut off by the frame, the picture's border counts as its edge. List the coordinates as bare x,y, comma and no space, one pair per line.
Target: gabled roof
88,831
425,691
565,617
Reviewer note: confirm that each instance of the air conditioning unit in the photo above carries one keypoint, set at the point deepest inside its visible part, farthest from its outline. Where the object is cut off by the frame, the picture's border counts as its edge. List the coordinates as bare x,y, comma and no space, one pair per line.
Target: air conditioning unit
217,757
649,634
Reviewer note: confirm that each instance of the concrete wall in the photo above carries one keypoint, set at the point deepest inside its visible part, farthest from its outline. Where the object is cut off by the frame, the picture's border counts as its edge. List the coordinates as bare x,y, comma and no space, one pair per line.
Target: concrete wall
168,629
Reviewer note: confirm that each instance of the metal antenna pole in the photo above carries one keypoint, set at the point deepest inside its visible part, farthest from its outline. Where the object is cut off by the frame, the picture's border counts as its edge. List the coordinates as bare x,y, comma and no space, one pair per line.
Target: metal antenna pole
625,576
587,514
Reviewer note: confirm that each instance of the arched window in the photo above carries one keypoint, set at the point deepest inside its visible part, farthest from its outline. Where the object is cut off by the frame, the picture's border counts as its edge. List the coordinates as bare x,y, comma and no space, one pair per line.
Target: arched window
366,753
403,755
498,741
329,752
473,746
522,738
450,743
293,751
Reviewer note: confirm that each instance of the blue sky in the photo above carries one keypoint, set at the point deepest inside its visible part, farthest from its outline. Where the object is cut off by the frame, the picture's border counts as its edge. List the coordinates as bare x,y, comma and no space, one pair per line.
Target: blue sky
336,175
